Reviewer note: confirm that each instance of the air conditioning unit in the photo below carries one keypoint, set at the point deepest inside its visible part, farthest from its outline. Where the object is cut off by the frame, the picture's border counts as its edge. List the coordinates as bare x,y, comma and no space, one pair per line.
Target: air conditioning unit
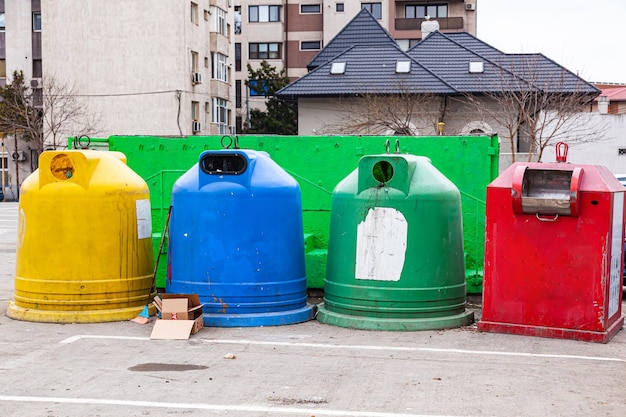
18,156
470,6
196,78
35,83
196,126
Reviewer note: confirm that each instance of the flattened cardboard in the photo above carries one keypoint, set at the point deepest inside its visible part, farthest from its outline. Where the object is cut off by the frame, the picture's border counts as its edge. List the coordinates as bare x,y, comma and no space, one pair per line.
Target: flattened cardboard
172,329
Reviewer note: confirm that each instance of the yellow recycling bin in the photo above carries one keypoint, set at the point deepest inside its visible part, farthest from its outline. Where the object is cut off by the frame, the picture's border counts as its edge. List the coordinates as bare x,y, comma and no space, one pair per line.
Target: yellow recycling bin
84,244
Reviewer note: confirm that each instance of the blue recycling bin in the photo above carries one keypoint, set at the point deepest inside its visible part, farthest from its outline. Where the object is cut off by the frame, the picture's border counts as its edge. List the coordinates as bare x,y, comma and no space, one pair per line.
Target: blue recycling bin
236,239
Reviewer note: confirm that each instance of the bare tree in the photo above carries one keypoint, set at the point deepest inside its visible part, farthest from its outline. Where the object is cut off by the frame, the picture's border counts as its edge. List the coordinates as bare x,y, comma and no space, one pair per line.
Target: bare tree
404,113
18,114
44,116
66,113
539,106
551,118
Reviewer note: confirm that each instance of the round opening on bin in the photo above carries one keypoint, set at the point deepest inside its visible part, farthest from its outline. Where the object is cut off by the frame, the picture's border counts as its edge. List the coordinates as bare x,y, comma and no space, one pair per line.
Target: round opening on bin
223,163
62,167
382,171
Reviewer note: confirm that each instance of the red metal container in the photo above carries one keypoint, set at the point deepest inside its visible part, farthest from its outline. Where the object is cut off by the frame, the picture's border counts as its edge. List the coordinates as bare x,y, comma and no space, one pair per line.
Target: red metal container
553,252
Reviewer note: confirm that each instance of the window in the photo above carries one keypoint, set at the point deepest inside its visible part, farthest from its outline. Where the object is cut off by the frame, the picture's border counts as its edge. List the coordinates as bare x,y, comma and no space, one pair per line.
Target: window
37,68
37,22
476,67
4,166
194,61
310,8
338,68
264,14
195,111
220,69
339,7
237,57
3,68
376,9
310,45
265,50
194,13
37,97
219,114
237,20
2,25
219,21
403,67
258,87
238,94
238,124
413,11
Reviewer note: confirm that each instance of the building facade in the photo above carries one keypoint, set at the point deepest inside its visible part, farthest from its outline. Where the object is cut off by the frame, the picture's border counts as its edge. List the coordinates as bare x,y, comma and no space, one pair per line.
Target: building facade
156,67
289,35
20,50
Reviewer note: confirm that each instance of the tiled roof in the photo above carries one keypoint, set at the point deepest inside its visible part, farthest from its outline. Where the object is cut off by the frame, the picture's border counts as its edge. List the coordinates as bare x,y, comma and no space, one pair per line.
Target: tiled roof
440,64
448,55
614,93
366,75
363,29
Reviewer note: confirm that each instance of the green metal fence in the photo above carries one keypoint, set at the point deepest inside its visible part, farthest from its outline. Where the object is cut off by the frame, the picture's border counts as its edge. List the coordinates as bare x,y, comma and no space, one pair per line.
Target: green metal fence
318,163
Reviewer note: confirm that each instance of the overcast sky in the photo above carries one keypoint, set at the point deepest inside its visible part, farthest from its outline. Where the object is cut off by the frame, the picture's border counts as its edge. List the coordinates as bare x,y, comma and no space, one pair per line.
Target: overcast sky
587,37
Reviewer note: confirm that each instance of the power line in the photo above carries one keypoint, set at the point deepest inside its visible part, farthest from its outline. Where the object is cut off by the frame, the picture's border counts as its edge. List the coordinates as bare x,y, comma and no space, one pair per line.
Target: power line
134,94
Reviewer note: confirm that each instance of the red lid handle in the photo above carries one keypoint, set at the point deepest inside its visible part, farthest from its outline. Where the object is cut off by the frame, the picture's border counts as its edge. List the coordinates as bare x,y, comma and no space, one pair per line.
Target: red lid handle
561,152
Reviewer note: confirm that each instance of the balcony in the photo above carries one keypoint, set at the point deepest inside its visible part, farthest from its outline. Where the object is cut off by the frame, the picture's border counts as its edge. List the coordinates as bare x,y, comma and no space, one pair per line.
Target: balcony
446,23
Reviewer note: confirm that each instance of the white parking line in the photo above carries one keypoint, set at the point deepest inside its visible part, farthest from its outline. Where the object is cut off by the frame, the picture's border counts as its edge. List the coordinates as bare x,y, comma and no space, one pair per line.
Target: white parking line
417,349
271,410
91,336
367,347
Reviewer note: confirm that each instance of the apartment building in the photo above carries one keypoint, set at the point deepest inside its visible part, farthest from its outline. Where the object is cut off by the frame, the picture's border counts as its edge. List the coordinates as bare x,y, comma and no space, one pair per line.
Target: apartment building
20,50
153,67
290,34
156,67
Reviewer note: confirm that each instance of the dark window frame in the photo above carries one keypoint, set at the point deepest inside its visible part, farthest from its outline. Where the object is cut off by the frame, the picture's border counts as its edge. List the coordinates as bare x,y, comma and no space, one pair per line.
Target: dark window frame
311,8
254,90
420,11
237,56
36,22
255,50
273,13
375,8
310,45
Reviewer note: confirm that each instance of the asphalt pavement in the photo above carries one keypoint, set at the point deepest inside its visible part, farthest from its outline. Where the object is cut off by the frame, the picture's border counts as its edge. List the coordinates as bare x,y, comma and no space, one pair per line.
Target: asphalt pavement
307,369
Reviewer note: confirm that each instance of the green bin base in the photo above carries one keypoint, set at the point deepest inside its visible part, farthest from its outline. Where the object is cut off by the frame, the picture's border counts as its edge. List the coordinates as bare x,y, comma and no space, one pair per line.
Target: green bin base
393,324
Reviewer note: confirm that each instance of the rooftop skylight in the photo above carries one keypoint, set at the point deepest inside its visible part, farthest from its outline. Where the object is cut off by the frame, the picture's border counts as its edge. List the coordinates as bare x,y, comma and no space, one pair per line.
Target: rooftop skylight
403,67
476,67
338,68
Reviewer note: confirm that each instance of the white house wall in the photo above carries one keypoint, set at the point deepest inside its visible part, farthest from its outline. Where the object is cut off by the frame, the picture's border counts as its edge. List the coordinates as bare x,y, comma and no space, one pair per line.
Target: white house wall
322,116
602,152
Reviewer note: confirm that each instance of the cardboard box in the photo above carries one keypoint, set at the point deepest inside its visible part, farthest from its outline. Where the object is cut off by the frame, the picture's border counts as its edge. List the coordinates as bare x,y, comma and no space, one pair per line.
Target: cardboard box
181,316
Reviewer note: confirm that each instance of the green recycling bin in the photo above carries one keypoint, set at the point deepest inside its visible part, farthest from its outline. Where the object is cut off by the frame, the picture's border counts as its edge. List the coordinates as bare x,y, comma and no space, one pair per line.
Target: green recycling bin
395,252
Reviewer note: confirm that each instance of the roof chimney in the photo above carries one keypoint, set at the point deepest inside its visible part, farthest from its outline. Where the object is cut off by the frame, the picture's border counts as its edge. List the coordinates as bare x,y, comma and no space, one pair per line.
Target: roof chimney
429,26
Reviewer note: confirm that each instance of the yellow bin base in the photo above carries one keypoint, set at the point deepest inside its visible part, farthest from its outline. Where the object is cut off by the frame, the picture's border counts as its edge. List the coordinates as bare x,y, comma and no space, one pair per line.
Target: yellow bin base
88,316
